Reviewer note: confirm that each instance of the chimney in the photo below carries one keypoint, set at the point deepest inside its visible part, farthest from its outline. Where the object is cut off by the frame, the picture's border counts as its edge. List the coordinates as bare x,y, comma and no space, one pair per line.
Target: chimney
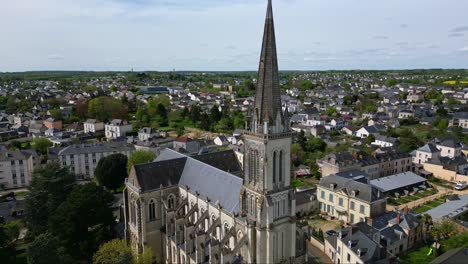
355,156
398,218
405,211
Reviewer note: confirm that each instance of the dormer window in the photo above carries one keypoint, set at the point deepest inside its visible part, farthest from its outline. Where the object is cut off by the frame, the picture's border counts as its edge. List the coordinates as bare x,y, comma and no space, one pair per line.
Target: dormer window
355,193
333,186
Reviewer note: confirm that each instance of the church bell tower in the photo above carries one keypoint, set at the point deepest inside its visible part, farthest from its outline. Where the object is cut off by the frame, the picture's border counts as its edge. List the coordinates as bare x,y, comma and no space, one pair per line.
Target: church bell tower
267,197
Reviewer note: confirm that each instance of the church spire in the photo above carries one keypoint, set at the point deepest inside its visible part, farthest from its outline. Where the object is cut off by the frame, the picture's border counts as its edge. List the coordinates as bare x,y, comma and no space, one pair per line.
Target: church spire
267,104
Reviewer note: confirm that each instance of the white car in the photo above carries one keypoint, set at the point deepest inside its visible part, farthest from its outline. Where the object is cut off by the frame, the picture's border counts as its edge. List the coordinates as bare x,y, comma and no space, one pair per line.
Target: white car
460,185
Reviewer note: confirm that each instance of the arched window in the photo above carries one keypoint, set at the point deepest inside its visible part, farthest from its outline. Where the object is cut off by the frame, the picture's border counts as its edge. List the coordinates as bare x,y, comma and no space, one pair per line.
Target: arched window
152,210
274,167
284,207
170,201
281,166
251,165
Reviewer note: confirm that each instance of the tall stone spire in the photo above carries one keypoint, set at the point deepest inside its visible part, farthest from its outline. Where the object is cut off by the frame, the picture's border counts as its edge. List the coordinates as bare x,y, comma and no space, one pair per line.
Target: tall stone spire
267,104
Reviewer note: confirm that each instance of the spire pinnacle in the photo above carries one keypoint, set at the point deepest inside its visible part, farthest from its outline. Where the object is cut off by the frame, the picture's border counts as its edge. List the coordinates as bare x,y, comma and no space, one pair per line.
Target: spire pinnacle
267,104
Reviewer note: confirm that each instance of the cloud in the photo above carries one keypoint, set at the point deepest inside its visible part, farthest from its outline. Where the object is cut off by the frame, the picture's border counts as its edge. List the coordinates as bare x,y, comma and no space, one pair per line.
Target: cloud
380,37
454,35
404,25
55,57
230,47
402,43
464,49
460,29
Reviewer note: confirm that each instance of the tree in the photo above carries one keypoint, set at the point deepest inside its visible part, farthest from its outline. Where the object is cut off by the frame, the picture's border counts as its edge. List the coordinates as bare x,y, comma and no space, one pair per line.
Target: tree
161,113
370,139
114,252
49,187
46,249
42,145
56,114
9,233
140,157
105,108
162,99
306,85
316,144
117,251
84,221
111,171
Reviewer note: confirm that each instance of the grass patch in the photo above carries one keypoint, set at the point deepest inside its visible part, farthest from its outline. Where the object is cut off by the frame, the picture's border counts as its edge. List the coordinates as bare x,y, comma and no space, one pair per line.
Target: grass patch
429,205
453,82
302,182
411,198
419,255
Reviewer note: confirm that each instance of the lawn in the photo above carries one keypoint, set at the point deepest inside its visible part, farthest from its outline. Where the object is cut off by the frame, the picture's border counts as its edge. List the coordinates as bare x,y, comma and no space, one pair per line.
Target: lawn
303,182
429,205
452,82
419,256
410,198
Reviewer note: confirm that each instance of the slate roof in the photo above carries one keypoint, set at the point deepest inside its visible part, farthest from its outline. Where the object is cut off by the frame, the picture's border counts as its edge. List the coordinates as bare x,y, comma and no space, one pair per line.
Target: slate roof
10,155
223,160
358,240
407,221
164,173
429,148
450,208
397,181
366,192
460,115
451,143
305,196
219,186
77,149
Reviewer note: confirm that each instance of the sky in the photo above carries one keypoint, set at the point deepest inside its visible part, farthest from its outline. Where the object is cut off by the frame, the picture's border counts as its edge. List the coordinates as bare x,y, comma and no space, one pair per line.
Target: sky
225,35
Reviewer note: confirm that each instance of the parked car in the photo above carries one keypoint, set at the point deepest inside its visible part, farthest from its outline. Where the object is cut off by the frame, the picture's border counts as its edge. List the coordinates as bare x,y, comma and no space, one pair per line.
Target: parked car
330,232
460,185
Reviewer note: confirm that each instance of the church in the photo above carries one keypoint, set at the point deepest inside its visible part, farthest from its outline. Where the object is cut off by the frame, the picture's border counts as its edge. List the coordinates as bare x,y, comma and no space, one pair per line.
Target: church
207,208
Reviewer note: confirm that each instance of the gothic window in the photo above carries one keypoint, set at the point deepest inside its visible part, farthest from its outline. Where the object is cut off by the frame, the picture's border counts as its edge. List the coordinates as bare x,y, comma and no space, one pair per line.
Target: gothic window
278,209
281,166
170,201
152,210
252,205
284,207
274,167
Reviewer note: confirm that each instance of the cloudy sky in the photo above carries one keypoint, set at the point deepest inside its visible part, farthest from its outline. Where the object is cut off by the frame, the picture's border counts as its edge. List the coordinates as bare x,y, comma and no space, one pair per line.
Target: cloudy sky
226,34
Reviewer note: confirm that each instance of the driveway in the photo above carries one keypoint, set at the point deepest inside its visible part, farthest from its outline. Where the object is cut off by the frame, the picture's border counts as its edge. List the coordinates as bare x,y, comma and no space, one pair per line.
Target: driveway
316,256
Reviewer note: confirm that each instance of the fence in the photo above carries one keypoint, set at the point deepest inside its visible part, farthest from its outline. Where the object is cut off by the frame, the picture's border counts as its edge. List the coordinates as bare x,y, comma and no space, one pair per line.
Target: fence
317,243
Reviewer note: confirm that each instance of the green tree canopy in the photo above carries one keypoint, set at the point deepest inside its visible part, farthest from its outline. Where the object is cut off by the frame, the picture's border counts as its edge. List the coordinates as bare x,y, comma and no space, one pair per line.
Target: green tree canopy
140,157
114,252
111,171
47,248
106,108
41,145
49,187
84,221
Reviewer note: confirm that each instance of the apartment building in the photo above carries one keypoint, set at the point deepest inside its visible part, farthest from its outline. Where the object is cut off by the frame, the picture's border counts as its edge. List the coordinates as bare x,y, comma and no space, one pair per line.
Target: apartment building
377,239
93,126
380,164
350,199
449,148
82,159
425,153
117,128
16,168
